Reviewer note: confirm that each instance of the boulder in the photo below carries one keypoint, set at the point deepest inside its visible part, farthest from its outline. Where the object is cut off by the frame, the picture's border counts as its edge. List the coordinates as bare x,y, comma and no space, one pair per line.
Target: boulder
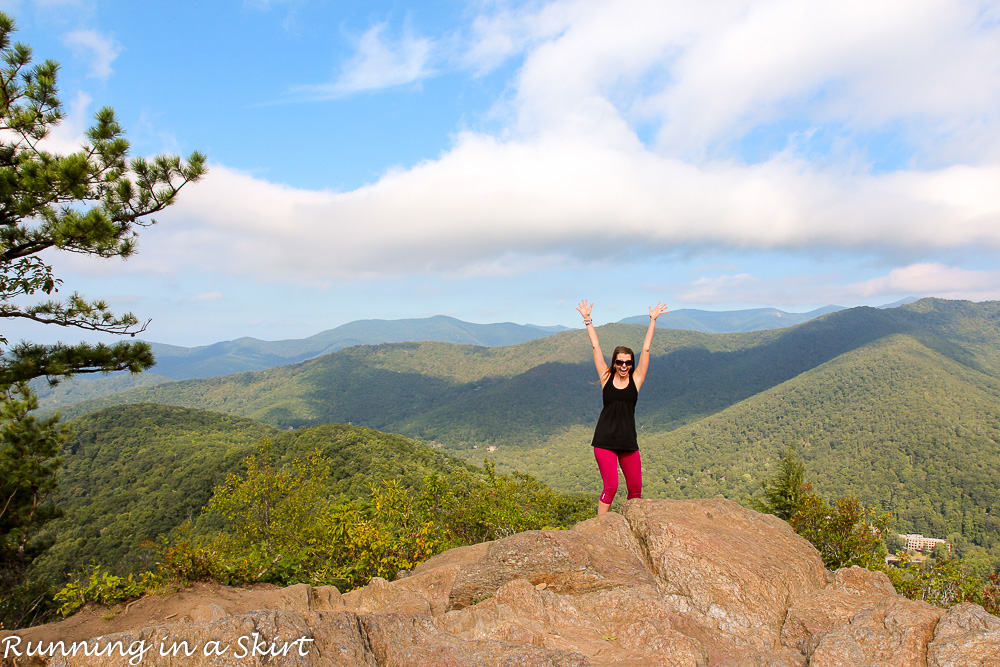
598,554
893,633
966,635
730,570
852,590
703,583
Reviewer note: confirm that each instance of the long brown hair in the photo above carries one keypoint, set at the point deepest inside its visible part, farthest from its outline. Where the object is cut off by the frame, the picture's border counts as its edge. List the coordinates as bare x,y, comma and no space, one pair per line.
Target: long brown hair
621,349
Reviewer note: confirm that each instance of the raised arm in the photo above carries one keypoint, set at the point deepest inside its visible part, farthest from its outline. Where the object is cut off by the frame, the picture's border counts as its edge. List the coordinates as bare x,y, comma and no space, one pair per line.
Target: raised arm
599,362
639,375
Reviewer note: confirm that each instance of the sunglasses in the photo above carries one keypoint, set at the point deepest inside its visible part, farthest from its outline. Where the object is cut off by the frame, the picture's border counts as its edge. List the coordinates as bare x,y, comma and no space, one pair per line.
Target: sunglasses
624,363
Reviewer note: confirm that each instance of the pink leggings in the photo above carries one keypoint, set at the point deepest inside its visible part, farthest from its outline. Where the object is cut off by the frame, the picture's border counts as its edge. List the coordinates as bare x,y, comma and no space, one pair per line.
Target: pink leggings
607,463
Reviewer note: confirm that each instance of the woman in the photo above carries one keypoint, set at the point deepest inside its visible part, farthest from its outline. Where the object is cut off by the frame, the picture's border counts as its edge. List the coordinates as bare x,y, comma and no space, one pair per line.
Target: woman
614,438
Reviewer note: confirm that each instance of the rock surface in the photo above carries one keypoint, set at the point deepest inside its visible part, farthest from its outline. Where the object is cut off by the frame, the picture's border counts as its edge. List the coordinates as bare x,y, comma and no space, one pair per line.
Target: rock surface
702,583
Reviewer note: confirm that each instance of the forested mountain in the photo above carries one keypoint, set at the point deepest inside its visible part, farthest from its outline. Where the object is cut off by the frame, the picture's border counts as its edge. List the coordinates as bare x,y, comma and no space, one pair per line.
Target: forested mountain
174,362
79,389
899,406
132,473
731,321
250,354
243,354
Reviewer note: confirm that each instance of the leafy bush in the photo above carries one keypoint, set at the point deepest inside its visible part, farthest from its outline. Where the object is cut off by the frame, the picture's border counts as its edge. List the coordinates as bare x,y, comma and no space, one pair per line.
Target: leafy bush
281,527
991,594
473,509
945,582
104,588
845,534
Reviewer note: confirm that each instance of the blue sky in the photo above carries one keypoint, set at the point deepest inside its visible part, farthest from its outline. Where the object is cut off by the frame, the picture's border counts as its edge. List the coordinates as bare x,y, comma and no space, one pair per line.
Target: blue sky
499,161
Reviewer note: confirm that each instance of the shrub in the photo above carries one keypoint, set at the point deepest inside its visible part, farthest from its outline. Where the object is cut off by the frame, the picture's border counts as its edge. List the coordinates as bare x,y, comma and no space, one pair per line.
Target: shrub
845,534
104,588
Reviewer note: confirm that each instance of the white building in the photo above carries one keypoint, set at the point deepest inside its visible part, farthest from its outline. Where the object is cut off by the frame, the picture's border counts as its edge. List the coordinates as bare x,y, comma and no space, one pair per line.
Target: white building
921,543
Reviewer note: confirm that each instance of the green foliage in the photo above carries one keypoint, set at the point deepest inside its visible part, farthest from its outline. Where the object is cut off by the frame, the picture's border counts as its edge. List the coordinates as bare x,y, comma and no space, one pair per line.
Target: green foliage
897,407
270,508
991,594
848,534
280,526
88,202
29,448
274,518
478,509
940,581
136,472
331,504
378,538
102,587
784,492
845,534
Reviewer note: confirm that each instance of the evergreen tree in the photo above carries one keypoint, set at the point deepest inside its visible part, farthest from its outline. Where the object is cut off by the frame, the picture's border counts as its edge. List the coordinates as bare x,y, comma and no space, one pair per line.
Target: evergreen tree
28,460
785,490
90,202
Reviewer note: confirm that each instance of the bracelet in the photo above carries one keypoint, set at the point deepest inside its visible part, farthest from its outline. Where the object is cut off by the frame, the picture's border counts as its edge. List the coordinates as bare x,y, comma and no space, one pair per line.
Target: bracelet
588,321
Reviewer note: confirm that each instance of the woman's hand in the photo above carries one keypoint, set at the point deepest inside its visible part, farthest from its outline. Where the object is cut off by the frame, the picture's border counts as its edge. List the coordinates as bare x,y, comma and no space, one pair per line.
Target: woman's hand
657,310
585,309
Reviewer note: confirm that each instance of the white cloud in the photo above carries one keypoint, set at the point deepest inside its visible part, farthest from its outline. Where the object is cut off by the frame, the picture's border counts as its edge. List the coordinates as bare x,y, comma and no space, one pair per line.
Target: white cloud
720,289
571,180
493,38
101,49
69,135
703,76
378,63
487,202
932,279
915,280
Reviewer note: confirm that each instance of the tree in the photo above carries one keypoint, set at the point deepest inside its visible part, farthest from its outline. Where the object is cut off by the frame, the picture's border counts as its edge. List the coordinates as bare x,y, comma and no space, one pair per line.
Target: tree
894,542
29,447
785,490
90,202
845,534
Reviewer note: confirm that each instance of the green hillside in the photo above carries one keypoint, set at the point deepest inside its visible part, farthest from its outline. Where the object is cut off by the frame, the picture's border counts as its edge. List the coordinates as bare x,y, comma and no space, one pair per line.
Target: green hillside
897,406
132,473
388,386
522,394
244,354
79,389
895,423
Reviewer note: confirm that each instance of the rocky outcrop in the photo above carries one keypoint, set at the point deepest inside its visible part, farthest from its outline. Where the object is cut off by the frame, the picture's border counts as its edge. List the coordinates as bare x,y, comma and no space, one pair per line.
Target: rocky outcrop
703,583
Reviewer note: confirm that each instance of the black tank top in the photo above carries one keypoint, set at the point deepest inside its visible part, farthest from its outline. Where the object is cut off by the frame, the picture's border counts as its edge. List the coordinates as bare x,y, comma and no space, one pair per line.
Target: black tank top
616,425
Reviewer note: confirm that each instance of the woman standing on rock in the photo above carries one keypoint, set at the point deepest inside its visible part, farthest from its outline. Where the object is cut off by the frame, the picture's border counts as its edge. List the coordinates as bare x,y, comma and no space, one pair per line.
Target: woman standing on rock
614,438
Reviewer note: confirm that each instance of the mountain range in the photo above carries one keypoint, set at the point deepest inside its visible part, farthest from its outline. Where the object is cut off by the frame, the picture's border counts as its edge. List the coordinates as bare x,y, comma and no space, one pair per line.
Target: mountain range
898,407
135,476
251,354
175,362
